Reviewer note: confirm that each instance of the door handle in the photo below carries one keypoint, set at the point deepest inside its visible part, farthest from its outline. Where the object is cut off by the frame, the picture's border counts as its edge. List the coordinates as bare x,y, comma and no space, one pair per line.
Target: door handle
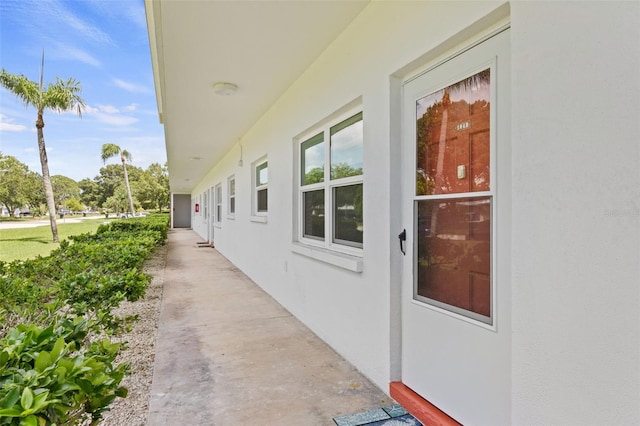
402,237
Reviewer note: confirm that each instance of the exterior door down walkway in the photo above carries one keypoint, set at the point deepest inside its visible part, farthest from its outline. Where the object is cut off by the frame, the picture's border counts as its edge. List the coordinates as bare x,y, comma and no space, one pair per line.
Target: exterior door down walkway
229,354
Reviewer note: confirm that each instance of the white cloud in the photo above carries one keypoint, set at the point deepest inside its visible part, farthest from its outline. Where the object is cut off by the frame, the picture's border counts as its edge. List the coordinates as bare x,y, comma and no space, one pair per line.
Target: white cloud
130,10
130,87
130,108
82,29
117,120
109,109
90,110
64,51
7,125
112,115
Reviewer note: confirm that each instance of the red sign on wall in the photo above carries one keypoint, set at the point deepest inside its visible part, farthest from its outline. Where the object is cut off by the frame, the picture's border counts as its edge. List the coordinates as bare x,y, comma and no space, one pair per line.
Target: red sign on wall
197,207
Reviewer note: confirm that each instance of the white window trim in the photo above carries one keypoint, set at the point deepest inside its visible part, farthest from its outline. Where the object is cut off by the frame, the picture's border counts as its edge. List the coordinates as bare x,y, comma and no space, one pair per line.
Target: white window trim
204,206
217,197
231,196
351,263
326,250
256,216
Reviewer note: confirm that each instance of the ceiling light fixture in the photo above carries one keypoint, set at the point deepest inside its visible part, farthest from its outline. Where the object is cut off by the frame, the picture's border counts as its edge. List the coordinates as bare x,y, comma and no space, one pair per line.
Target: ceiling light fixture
225,89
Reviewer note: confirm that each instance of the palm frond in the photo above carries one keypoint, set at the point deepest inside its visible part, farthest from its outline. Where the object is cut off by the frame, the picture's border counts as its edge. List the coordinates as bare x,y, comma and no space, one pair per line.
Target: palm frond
126,155
109,150
63,96
24,89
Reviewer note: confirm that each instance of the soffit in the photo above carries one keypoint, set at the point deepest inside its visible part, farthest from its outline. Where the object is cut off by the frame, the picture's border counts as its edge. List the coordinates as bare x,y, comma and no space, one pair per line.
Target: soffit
261,46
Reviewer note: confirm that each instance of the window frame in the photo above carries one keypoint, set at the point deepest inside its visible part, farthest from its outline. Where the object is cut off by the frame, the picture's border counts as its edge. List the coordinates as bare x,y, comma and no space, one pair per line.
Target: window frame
217,204
256,187
231,197
204,206
329,241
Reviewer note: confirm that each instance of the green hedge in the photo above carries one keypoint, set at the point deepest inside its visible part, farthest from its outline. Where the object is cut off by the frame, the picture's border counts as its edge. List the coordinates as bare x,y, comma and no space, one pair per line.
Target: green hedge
54,370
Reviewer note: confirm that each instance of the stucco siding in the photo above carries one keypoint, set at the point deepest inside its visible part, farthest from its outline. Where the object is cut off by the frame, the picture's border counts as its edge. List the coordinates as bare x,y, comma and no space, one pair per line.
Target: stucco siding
351,311
574,264
576,213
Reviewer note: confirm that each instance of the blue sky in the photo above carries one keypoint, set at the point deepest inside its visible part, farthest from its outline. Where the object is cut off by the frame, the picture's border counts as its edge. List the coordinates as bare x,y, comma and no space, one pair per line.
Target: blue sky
104,45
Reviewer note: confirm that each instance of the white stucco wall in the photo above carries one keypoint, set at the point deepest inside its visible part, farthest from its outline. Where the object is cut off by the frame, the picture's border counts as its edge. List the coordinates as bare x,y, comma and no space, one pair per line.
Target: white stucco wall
351,311
576,191
576,212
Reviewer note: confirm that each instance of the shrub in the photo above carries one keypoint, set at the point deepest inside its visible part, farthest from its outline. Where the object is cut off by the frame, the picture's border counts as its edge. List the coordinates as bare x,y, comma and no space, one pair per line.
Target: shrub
45,379
53,367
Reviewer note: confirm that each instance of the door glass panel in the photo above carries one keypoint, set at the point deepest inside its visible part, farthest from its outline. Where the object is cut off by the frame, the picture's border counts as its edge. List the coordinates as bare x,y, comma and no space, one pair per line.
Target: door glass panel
453,267
452,138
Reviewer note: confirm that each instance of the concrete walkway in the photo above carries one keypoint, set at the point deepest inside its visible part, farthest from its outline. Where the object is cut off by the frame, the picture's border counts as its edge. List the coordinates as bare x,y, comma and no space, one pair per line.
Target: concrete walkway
228,354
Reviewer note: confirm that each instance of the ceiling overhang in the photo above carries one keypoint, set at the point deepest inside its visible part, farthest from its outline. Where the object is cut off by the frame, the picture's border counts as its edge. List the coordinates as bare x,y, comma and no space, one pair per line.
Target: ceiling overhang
260,46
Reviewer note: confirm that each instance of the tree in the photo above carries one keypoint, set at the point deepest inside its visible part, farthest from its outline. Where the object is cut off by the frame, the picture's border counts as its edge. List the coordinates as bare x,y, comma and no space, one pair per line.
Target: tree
64,188
59,96
342,170
153,187
73,204
34,192
314,175
108,180
16,183
118,201
112,150
96,192
90,193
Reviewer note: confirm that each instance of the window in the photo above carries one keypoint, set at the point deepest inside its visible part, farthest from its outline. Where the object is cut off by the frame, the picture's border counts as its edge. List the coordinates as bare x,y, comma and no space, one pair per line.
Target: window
205,204
331,181
231,193
454,196
218,204
260,190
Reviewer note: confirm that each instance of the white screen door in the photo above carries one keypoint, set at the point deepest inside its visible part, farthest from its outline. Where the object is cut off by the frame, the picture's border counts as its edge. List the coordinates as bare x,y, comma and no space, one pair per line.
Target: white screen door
456,198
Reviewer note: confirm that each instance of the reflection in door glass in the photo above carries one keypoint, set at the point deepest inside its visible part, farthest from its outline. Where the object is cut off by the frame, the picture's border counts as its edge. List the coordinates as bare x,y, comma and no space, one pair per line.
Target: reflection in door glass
453,268
453,138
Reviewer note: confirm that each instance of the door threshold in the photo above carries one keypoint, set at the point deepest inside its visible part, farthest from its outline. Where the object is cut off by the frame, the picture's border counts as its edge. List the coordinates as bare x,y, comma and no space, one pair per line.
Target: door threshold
201,244
420,408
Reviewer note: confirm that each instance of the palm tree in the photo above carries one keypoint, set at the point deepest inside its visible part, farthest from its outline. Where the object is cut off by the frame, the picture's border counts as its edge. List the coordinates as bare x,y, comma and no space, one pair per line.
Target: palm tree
112,150
59,96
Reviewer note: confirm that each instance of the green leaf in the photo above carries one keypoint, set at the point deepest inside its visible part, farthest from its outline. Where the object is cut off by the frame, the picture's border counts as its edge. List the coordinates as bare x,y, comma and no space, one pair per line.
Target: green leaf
85,385
10,398
67,364
40,400
57,348
10,412
122,392
45,334
60,374
30,420
66,387
43,361
27,398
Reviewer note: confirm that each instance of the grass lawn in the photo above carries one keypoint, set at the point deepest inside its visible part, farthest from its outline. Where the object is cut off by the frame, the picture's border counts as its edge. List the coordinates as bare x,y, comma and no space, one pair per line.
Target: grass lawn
25,243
